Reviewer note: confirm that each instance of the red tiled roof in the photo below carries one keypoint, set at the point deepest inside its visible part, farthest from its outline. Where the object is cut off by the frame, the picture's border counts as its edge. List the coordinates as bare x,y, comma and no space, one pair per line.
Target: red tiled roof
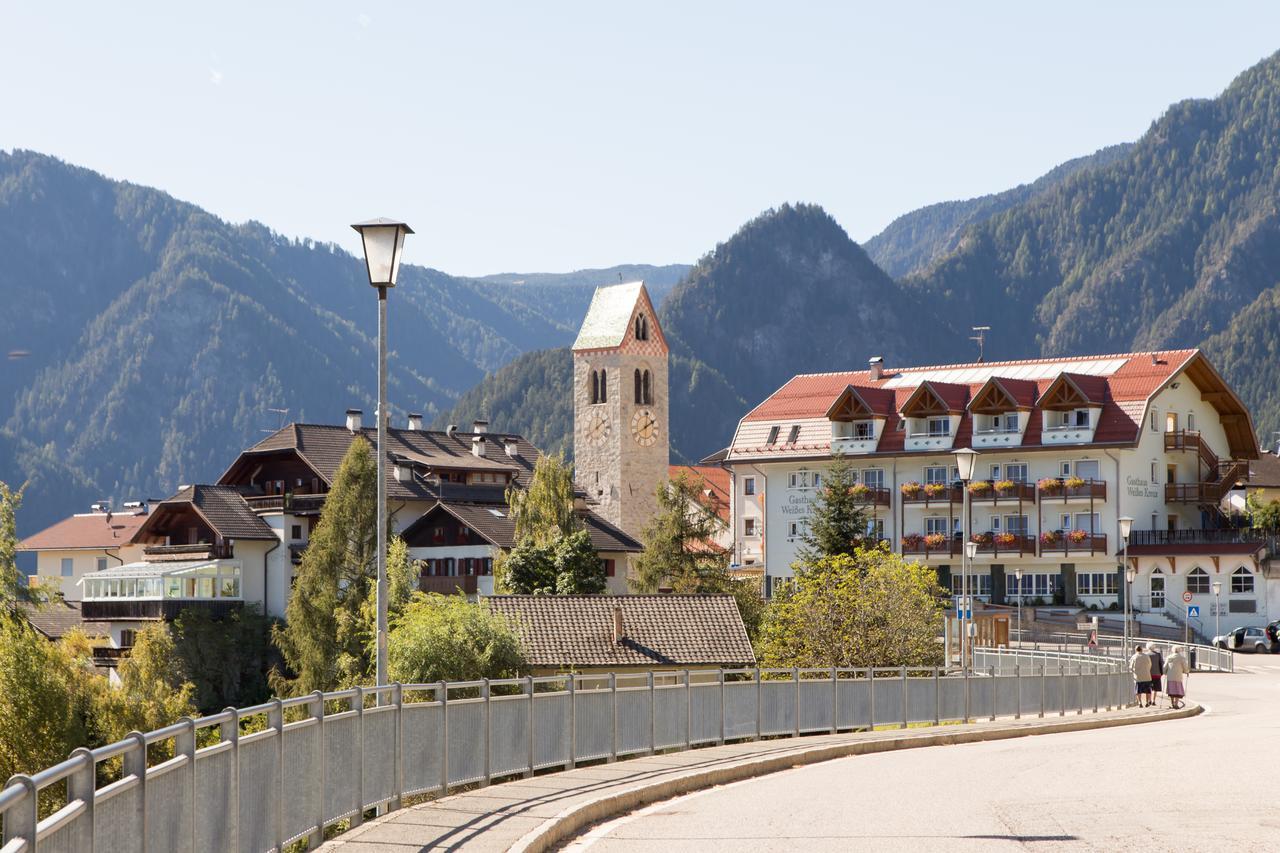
89,531
715,481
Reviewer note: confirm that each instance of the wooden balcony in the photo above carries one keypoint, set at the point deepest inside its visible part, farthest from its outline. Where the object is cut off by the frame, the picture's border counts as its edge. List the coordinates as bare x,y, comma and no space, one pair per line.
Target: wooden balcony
947,494
952,547
147,609
466,584
1224,478
1090,490
109,655
1095,544
996,546
197,551
989,494
871,496
288,502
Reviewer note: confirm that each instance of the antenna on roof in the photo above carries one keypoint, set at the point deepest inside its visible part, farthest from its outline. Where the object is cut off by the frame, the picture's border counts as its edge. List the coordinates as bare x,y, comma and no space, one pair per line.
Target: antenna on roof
981,338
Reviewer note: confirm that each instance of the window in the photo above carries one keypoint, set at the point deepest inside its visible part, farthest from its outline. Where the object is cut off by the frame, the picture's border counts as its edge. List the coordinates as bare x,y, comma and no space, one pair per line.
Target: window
610,567
750,527
604,386
793,529
794,434
863,430
642,328
1082,418
1015,524
1154,427
875,528
1191,422
1154,479
1088,521
102,564
817,479
939,426
1198,581
773,435
295,532
937,524
1096,583
979,585
995,524
800,479
1241,582
1064,469
639,389
935,474
873,478
1088,469
595,386
646,388
748,485
66,567
1016,471
127,638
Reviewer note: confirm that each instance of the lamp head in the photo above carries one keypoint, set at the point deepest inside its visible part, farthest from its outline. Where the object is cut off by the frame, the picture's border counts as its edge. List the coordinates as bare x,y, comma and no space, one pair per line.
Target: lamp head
383,241
1126,525
971,549
1217,587
966,459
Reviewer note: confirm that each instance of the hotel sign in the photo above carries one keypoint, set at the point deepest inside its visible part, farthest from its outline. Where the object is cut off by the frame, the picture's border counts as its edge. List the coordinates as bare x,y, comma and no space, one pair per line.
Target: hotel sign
1140,488
796,505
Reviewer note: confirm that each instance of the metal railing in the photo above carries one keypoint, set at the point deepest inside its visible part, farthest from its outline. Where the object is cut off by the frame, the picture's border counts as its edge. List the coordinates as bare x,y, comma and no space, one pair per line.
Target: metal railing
324,758
1201,657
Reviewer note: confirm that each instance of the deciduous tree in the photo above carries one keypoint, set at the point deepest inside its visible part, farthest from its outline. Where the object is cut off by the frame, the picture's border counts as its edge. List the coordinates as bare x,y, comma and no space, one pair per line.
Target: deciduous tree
447,638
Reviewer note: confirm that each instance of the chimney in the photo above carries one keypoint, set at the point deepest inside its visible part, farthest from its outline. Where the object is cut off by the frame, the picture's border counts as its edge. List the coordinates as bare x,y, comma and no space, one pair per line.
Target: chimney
618,633
480,427
450,429
355,419
415,421
477,446
510,446
877,367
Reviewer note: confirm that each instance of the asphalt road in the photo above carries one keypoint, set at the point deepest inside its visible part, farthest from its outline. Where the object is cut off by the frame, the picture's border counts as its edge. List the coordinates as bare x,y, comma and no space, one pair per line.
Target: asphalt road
1207,783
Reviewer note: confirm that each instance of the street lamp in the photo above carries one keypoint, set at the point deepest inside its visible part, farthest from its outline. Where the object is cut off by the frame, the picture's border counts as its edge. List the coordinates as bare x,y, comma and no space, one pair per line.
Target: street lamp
1217,609
1017,574
1126,527
966,458
383,241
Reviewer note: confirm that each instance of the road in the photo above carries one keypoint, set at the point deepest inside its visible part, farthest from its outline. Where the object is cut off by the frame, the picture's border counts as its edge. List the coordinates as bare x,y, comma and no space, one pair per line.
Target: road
1206,783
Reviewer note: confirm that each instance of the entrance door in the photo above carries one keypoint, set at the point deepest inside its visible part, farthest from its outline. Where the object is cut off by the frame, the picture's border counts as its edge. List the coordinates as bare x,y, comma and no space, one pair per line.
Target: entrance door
1157,590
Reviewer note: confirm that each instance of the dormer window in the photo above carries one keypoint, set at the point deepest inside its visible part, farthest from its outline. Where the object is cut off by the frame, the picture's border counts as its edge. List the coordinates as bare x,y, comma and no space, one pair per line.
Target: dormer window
863,430
773,435
939,426
794,434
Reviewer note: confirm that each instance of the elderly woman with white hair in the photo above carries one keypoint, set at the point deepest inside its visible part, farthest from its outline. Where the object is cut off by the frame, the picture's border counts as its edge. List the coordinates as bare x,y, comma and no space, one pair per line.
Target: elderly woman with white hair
1176,669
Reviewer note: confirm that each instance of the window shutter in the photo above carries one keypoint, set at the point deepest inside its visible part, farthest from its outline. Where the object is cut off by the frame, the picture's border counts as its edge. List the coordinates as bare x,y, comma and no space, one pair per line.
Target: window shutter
610,568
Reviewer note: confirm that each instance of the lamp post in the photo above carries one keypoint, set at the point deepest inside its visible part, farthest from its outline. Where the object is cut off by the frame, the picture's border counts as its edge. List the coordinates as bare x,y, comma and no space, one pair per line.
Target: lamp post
1017,574
383,241
1126,526
1217,609
966,459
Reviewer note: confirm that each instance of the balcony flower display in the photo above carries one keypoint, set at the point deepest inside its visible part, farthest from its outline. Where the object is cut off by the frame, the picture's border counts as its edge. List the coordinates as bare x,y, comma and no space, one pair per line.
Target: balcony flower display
1050,537
935,541
980,488
1005,487
984,540
912,541
1049,485
860,491
1078,537
934,490
1006,540
1073,483
910,489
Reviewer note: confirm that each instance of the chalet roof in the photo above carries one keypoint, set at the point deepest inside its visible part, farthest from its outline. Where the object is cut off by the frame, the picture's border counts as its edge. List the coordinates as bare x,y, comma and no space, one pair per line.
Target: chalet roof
90,531
714,485
223,507
493,523
58,617
1122,384
569,631
609,316
1264,472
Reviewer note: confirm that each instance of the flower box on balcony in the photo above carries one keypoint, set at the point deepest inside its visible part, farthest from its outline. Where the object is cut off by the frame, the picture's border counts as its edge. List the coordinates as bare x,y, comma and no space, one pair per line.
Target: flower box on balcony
1050,485
934,490
1005,540
983,540
980,488
912,541
910,489
1073,483
1005,487
1078,537
1050,537
935,540
860,492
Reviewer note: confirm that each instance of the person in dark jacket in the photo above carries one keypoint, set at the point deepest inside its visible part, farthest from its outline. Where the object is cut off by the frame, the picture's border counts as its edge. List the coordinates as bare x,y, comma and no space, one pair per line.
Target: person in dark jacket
1157,670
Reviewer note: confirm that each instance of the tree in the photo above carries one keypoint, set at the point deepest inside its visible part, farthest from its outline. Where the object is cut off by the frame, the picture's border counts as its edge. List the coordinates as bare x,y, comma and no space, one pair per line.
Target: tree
543,511
577,566
321,639
226,659
401,574
12,590
1267,516
837,521
447,638
868,608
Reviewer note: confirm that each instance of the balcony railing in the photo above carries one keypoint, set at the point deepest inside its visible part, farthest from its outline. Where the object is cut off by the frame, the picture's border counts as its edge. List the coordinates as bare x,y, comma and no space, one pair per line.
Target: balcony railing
871,495
952,547
287,502
1064,491
196,551
946,494
466,584
1247,536
1065,543
1014,493
166,609
999,546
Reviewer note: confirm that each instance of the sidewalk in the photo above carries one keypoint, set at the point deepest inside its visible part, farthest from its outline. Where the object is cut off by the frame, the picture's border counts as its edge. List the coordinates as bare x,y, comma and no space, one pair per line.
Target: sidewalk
535,814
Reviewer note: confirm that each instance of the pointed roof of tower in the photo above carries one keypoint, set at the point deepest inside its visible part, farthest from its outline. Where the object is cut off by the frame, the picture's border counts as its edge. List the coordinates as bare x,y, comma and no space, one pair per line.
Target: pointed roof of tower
609,316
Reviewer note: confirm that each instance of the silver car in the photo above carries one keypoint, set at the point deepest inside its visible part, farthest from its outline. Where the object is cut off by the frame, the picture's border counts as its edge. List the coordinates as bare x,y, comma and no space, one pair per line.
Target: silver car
1244,640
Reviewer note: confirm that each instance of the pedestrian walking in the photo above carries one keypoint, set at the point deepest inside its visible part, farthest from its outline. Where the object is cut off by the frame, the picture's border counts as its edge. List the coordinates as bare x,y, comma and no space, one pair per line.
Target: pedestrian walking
1176,671
1157,670
1140,666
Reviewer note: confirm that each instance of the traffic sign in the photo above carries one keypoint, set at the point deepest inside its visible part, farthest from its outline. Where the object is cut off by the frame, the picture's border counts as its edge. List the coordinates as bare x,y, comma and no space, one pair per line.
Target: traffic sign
1186,597
1193,610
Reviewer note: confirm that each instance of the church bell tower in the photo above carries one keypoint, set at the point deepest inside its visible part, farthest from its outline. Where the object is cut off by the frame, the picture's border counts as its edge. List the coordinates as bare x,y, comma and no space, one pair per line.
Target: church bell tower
621,446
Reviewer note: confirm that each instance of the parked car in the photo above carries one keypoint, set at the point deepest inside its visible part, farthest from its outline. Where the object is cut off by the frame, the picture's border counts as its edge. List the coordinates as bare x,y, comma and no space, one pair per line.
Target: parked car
1273,634
1251,639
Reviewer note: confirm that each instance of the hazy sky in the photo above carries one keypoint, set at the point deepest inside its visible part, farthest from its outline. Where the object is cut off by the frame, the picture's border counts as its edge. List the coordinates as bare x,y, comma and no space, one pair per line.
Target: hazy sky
553,136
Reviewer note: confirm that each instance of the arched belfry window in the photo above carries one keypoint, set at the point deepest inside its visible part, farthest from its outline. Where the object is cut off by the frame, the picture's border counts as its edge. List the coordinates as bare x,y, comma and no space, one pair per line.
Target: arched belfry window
647,388
604,386
642,327
639,389
595,387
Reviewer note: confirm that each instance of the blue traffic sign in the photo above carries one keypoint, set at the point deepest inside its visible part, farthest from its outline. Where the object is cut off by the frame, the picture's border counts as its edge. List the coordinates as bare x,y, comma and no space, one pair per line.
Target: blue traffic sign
1193,610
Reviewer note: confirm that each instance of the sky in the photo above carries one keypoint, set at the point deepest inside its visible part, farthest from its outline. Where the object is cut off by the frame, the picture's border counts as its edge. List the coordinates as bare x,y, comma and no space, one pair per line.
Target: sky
552,136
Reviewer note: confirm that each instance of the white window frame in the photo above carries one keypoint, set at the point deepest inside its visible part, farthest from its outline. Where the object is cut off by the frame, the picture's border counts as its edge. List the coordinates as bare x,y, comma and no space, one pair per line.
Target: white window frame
748,485
1244,575
937,524
67,567
943,424
1155,427
1020,466
873,478
1019,527
864,430
750,526
1198,573
929,478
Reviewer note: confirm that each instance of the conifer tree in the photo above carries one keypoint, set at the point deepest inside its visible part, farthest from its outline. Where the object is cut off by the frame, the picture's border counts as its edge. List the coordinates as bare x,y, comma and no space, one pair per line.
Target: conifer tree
837,521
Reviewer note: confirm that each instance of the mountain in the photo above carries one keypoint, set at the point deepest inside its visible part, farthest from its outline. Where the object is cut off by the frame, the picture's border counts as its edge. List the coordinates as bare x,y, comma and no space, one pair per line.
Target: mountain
1176,243
915,240
149,341
553,288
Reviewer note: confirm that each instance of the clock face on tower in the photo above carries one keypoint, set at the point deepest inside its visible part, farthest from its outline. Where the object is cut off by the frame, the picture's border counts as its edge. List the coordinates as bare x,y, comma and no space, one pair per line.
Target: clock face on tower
598,430
644,427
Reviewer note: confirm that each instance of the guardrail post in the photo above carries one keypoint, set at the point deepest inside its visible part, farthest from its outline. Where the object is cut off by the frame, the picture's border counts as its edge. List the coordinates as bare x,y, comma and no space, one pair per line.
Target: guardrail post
905,692
871,699
275,719
613,716
357,703
653,715
528,680
1017,687
229,730
488,731
1062,688
1080,690
397,699
21,821
759,717
937,698
1042,679
795,679
723,713
688,711
82,784
991,670
573,720
1094,680
135,764
966,694
835,700
317,711
442,696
